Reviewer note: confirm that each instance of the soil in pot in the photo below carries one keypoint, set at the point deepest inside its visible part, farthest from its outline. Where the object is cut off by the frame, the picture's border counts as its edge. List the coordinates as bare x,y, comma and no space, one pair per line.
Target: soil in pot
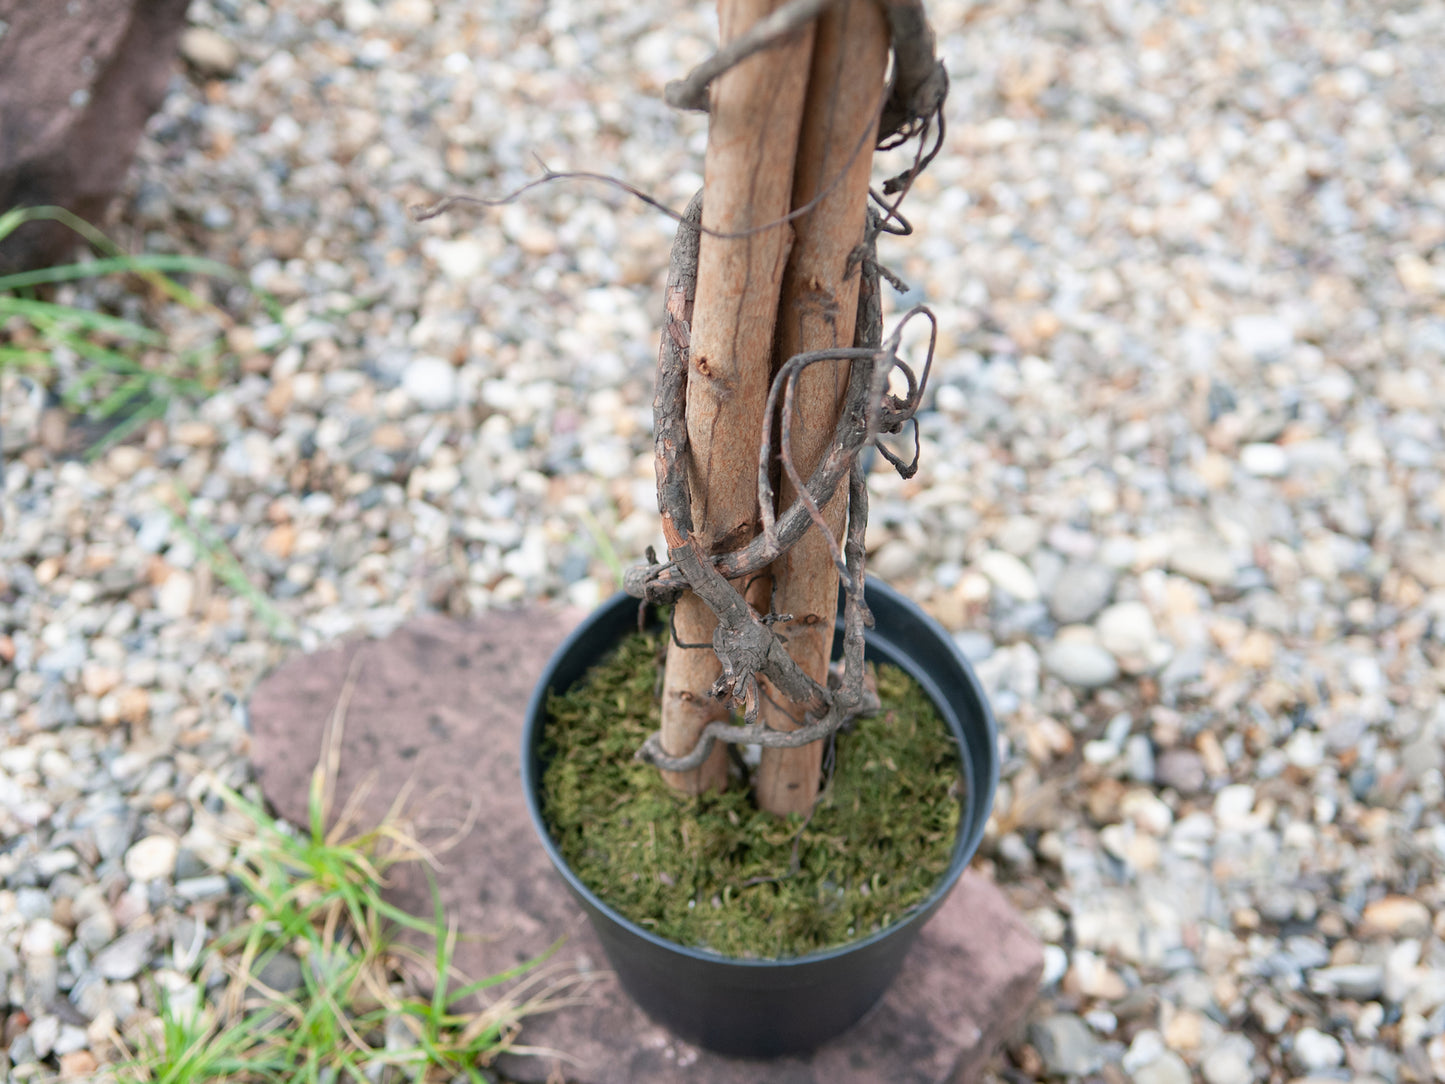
716,873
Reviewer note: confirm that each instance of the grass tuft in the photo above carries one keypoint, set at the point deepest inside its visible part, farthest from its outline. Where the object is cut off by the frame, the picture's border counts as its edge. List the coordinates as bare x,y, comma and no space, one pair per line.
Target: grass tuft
116,373
366,1004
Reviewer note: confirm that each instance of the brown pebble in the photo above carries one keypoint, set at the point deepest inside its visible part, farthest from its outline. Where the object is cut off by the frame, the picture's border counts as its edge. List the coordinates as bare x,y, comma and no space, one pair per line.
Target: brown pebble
54,428
1394,916
77,1065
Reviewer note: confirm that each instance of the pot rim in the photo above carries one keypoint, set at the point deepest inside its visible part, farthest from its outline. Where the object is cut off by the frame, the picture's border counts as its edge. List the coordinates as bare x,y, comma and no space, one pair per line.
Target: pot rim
966,843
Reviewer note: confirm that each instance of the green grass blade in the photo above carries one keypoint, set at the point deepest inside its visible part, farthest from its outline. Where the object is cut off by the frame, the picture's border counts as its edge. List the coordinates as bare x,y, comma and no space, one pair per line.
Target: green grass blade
121,397
602,544
16,357
155,261
48,313
445,941
315,803
120,363
401,918
504,976
150,411
225,565
176,292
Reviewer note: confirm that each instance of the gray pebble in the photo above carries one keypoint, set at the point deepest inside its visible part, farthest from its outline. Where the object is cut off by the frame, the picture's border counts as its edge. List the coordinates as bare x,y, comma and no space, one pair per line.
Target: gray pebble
973,644
1066,1044
210,886
895,560
1306,952
1273,1015
33,903
96,931
43,1032
209,51
90,995
282,973
1210,565
1262,335
1020,619
1139,758
1080,663
1358,982
1182,769
113,835
1081,590
430,382
1047,567
124,957
22,1051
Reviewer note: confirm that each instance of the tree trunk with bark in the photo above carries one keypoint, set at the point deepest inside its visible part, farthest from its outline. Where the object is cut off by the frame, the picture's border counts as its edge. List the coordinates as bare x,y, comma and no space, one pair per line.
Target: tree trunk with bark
756,111
819,303
774,377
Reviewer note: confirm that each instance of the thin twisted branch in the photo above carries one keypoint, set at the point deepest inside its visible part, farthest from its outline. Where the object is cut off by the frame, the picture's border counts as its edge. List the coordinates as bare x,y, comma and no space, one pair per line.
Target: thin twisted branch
868,413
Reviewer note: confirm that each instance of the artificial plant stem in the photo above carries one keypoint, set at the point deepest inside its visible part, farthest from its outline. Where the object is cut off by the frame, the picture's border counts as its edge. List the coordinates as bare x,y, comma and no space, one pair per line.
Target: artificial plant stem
819,302
755,113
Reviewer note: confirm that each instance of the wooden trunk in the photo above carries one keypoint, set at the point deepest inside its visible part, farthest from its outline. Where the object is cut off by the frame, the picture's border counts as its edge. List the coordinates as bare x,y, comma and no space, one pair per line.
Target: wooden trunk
820,297
756,110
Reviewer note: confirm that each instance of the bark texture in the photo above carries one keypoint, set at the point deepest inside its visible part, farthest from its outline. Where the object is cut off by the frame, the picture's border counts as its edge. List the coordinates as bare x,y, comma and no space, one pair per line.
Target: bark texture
756,111
819,304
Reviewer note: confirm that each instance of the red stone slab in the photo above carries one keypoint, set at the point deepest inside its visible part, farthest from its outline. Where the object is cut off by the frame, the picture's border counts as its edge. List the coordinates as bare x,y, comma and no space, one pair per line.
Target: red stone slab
439,705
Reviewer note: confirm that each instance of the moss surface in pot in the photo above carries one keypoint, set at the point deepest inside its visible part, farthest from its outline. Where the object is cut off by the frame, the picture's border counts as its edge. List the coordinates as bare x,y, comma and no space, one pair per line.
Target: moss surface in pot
713,871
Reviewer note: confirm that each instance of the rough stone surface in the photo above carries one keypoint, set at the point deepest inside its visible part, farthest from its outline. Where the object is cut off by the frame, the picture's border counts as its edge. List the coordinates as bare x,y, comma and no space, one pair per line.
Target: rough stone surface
440,702
79,81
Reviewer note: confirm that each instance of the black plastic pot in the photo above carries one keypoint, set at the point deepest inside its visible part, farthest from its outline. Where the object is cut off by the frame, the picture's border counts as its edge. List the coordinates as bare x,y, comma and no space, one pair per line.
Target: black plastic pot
769,1008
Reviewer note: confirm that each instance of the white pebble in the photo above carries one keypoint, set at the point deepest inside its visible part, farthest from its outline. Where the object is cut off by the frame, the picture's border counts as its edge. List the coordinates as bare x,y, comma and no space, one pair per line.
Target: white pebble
1009,575
151,858
1315,1052
1264,460
431,382
1262,336
176,594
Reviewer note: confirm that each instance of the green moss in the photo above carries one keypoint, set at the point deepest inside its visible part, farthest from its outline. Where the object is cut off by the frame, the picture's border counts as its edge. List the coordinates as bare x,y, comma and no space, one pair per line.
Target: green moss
715,872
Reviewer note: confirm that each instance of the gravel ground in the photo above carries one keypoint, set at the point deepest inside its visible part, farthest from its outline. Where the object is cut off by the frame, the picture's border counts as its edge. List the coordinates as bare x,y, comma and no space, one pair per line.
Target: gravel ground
1181,494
